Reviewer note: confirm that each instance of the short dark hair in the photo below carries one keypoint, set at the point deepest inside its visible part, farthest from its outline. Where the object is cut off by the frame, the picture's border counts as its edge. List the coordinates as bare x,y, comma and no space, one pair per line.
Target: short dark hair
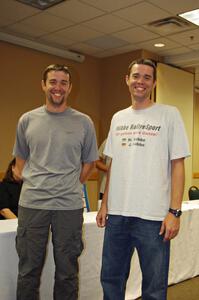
143,61
56,67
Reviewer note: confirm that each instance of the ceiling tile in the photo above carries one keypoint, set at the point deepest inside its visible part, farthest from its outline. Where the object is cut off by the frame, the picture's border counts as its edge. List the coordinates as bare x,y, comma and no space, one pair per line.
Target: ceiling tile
4,21
15,11
108,24
123,49
56,39
79,33
107,42
168,28
136,13
195,47
27,30
176,51
103,54
149,45
116,51
75,11
85,48
188,38
136,35
46,22
110,5
176,7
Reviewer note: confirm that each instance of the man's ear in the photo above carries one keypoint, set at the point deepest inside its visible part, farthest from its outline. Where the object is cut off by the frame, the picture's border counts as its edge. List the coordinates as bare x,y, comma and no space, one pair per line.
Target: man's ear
43,85
154,84
127,79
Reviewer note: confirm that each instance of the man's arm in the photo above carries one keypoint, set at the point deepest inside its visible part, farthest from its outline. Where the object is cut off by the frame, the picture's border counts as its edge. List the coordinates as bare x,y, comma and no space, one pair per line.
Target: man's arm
19,166
100,165
102,214
86,171
171,224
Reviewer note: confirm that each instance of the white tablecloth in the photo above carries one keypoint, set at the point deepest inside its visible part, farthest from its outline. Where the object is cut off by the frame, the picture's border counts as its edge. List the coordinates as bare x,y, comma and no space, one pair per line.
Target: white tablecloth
184,258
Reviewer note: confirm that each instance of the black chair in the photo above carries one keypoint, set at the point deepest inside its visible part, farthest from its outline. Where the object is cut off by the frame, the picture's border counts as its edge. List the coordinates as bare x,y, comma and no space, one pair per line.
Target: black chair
193,193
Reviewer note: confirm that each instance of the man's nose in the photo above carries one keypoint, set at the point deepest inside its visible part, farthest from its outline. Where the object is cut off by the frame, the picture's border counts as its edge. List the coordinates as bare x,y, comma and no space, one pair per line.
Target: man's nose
140,79
58,85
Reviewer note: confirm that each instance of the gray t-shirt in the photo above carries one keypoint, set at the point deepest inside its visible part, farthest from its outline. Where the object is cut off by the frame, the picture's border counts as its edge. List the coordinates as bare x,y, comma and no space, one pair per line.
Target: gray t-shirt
54,146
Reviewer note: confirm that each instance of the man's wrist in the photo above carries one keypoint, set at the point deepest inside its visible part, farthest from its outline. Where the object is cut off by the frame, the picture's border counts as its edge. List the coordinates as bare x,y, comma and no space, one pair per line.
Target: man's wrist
176,212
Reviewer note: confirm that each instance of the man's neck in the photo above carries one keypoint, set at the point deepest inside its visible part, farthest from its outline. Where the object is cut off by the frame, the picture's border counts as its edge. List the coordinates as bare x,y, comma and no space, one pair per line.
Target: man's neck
141,104
56,109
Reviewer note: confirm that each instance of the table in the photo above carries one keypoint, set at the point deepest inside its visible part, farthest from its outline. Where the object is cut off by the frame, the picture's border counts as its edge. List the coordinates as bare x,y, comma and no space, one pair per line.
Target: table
184,262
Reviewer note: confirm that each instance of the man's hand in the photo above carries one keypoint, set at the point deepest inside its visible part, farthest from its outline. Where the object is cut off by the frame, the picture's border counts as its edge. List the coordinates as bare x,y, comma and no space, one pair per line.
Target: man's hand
102,216
170,227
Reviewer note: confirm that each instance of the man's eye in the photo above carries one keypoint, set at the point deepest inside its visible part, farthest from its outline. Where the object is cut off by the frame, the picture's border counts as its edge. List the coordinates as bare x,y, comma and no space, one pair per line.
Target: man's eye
147,77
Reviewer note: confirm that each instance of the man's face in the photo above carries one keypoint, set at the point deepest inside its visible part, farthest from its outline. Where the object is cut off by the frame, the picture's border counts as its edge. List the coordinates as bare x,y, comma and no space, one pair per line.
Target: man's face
140,82
57,88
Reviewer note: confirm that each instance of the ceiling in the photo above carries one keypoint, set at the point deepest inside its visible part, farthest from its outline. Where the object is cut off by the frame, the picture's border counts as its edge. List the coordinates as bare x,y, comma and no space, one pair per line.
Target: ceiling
103,28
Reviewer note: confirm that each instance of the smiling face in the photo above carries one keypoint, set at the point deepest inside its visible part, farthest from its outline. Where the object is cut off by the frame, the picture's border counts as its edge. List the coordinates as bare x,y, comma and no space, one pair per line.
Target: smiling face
141,83
56,88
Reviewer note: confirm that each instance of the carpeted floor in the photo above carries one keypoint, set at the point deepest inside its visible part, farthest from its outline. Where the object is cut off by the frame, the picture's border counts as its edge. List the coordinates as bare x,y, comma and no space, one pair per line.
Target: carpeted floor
186,290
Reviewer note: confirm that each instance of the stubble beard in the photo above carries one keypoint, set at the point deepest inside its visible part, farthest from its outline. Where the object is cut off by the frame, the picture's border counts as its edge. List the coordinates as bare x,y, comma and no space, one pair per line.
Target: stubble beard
55,103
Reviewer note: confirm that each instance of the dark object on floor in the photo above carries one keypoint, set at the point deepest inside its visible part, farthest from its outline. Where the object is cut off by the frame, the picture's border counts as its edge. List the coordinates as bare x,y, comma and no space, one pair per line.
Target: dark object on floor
193,193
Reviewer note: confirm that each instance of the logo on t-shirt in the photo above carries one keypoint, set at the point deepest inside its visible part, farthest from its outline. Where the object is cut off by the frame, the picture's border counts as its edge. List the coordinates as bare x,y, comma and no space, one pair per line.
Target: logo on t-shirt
136,134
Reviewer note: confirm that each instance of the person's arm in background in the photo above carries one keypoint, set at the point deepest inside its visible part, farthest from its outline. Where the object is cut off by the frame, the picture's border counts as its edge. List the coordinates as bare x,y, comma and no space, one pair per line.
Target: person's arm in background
171,225
100,165
102,214
19,166
7,213
86,171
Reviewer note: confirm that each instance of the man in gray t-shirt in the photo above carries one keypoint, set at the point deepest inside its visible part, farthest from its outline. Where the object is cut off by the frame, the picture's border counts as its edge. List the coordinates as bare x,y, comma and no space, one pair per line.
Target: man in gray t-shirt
55,150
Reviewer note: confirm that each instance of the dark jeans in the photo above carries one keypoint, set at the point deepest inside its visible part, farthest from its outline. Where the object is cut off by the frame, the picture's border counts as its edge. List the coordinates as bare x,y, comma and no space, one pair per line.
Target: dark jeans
31,242
122,236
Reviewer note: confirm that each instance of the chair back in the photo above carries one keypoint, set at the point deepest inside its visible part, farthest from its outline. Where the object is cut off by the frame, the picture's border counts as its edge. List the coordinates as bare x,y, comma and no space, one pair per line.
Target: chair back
193,193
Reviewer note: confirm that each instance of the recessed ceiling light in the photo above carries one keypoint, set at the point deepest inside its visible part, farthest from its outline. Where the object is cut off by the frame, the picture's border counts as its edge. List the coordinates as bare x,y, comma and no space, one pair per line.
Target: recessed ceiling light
159,45
191,16
41,4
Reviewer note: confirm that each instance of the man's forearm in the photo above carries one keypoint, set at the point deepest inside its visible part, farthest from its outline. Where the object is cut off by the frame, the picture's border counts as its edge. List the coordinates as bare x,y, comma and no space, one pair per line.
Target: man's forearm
86,171
105,196
177,183
20,165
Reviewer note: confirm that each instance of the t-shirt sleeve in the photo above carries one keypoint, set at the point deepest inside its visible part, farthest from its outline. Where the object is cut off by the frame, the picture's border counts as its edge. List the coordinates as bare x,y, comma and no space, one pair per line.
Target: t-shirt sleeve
108,150
21,148
178,141
89,149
